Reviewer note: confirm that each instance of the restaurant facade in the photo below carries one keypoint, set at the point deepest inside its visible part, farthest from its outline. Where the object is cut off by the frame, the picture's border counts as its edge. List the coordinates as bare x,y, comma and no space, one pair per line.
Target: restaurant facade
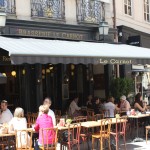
60,54
29,82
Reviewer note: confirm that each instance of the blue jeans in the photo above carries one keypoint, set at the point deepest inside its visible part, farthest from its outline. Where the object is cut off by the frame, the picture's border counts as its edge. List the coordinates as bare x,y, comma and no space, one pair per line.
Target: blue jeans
36,146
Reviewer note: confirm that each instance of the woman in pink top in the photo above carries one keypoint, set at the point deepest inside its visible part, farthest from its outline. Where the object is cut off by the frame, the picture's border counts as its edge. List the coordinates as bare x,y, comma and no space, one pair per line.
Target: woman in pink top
43,121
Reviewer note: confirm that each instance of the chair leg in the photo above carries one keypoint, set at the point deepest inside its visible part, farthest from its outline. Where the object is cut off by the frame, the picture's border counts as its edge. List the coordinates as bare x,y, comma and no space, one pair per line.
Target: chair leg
124,138
146,135
109,143
92,143
101,146
116,142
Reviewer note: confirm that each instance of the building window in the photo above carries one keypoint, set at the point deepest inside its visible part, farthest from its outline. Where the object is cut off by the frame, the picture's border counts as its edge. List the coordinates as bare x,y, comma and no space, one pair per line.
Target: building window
1,3
128,7
53,9
147,10
90,11
8,6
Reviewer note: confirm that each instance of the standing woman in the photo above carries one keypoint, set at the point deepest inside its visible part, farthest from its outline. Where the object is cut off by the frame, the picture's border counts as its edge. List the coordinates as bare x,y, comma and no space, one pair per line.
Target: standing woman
138,104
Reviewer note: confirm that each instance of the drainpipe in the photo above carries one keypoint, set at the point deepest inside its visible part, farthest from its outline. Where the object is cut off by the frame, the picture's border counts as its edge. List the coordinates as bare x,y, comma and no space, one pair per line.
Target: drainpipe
116,33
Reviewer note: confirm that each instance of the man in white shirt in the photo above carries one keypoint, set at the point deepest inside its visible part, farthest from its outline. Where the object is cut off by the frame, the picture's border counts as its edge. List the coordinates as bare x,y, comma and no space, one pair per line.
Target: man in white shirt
48,101
110,106
73,108
6,115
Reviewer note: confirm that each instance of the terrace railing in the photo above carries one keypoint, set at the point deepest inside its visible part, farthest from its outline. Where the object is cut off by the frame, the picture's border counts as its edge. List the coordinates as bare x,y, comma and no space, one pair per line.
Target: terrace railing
9,6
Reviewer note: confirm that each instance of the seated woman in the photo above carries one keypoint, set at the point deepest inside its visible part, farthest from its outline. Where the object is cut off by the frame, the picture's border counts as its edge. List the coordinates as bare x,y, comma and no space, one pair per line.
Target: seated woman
43,121
19,122
138,104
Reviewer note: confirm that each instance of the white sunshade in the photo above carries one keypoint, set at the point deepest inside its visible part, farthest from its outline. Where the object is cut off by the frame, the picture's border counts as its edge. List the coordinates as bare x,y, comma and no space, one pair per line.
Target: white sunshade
28,50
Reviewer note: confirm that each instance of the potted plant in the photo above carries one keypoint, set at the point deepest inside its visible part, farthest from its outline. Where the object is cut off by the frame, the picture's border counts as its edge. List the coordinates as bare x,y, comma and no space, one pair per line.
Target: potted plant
121,86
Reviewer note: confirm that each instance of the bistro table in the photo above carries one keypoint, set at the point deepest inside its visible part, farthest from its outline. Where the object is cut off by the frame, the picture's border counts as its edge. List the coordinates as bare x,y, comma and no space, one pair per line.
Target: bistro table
9,137
137,138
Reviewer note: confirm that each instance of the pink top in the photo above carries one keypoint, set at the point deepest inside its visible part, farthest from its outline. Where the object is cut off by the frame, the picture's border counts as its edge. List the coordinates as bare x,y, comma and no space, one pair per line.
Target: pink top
44,121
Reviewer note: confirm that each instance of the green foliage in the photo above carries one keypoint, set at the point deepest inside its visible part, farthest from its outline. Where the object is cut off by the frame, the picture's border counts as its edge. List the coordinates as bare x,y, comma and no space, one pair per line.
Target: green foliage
121,86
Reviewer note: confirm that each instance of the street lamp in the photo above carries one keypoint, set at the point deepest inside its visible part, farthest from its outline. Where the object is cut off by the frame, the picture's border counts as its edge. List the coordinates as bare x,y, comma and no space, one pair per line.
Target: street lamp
2,19
103,29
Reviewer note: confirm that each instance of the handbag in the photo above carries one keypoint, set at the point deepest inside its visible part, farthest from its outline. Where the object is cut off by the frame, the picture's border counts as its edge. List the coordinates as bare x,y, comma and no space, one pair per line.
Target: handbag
65,136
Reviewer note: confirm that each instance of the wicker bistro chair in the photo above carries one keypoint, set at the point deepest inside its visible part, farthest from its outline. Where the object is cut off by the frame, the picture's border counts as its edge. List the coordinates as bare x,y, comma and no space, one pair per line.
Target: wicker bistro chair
106,113
45,134
8,140
98,117
119,130
90,114
57,112
31,119
24,139
103,134
85,134
147,129
73,138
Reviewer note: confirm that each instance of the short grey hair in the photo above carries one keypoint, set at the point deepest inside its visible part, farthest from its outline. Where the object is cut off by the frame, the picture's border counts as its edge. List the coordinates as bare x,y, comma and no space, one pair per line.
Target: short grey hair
19,112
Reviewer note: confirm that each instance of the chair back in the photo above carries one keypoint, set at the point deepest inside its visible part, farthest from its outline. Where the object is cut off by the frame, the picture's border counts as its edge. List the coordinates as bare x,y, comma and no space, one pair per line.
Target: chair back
24,139
98,117
90,114
58,119
105,128
80,119
48,144
31,118
106,113
57,112
121,125
74,133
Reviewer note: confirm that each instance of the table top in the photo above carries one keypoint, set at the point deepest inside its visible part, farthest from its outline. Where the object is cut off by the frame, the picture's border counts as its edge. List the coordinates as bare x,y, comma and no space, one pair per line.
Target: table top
9,134
90,124
139,116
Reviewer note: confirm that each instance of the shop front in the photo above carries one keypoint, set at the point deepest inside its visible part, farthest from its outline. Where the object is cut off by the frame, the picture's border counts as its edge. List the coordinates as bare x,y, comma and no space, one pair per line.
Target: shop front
58,68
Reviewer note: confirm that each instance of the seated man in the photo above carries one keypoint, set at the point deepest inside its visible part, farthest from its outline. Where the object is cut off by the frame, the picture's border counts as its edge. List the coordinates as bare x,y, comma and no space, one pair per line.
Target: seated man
110,106
74,110
6,115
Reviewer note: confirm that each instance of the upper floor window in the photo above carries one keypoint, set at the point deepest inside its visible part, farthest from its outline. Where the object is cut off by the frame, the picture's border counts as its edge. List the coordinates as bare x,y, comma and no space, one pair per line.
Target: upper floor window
147,10
53,9
8,6
128,7
90,11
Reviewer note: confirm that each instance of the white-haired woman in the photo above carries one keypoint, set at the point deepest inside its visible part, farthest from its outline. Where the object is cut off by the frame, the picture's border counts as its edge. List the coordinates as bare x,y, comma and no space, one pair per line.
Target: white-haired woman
19,122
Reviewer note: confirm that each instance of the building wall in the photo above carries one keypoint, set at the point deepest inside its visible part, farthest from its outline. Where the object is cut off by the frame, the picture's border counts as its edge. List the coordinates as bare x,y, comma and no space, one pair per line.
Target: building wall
23,12
135,21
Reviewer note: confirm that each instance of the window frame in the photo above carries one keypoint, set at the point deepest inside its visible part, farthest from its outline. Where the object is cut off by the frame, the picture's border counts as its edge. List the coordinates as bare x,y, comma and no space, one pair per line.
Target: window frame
146,12
127,6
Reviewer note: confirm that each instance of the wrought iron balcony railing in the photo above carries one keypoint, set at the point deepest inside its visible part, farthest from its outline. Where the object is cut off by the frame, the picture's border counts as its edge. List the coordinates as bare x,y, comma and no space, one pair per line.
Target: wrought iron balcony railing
53,9
90,11
8,6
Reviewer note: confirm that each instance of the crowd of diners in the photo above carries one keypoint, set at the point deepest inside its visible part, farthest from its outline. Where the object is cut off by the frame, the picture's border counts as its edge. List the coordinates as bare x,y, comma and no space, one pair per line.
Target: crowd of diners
122,107
99,105
46,117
